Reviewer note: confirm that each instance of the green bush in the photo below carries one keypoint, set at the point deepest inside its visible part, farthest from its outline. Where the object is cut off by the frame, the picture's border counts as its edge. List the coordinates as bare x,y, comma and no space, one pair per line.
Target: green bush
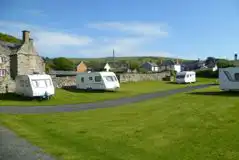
222,63
173,73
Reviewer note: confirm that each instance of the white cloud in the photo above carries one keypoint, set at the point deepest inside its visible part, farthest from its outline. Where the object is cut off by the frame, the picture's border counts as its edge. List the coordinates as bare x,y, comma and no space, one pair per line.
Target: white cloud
134,28
60,39
52,42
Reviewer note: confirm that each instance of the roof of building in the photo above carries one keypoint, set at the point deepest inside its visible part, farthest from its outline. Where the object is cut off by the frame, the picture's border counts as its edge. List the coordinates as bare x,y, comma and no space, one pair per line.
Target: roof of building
152,64
8,48
167,62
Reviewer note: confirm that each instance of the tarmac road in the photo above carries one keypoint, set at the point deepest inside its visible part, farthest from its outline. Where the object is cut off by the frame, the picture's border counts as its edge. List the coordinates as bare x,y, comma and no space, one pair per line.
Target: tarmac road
104,104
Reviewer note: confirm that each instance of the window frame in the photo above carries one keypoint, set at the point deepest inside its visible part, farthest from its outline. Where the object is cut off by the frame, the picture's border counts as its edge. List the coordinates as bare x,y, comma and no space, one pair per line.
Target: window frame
82,80
34,81
236,75
26,83
22,83
3,72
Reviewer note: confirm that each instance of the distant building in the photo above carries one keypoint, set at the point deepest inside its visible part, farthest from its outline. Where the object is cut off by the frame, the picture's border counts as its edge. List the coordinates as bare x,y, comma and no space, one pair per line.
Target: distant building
170,65
81,67
193,65
150,66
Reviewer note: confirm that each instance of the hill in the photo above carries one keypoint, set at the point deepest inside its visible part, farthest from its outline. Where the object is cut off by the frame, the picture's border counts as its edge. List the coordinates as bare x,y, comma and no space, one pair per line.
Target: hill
137,59
8,38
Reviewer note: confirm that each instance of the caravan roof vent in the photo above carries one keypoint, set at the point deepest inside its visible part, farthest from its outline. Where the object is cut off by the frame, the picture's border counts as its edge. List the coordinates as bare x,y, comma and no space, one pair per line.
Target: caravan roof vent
36,73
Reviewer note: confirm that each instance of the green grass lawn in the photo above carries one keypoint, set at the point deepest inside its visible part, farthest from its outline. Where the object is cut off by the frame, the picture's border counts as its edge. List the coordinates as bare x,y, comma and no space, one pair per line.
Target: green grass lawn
199,126
78,96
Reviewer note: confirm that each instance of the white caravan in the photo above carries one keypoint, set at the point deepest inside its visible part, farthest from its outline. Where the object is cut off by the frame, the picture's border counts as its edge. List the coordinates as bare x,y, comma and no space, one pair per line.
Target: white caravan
97,81
229,79
186,77
35,85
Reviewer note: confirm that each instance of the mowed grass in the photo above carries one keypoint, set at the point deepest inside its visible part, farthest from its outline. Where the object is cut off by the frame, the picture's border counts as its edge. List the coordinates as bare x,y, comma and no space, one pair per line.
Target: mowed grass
202,125
75,96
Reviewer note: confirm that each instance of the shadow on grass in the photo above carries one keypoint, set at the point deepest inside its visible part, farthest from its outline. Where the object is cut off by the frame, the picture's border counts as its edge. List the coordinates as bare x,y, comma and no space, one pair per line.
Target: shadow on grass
169,82
15,97
218,93
179,83
75,90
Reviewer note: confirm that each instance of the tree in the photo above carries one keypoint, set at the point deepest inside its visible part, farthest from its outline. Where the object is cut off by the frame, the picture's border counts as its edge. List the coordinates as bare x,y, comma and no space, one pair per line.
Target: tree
210,61
63,64
133,65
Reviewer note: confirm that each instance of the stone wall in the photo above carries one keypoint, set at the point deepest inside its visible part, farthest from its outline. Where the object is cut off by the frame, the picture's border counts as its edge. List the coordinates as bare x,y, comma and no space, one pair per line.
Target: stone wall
129,77
27,64
7,85
5,79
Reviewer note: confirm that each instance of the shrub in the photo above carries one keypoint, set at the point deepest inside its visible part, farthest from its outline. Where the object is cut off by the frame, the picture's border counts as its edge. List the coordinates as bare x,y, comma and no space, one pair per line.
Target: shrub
142,70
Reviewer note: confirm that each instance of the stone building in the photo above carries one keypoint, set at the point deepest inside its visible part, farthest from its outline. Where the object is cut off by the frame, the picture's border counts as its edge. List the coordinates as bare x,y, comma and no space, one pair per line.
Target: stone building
18,59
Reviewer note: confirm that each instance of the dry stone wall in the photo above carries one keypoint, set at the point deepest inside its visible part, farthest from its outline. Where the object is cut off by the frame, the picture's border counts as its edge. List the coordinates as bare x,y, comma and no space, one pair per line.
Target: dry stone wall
142,77
60,82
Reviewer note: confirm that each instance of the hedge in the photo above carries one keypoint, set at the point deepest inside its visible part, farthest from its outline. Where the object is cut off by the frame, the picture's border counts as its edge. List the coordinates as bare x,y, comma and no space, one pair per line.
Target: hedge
207,74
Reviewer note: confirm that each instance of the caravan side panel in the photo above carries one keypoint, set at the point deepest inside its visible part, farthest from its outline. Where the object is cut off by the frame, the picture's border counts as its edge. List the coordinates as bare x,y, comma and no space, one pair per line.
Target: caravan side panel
229,79
92,80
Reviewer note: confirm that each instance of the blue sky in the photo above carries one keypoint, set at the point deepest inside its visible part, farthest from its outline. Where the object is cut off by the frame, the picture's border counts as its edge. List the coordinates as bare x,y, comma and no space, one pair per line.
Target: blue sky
92,28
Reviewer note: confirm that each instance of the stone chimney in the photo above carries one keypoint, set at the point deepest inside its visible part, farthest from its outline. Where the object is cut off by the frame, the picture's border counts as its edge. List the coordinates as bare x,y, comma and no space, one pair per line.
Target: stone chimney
25,36
235,57
31,41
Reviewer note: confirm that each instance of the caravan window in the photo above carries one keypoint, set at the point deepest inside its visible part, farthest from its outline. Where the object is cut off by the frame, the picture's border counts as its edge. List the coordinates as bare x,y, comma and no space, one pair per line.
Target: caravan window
41,83
237,76
26,83
48,82
82,79
22,83
34,83
90,78
115,78
109,78
97,78
180,76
